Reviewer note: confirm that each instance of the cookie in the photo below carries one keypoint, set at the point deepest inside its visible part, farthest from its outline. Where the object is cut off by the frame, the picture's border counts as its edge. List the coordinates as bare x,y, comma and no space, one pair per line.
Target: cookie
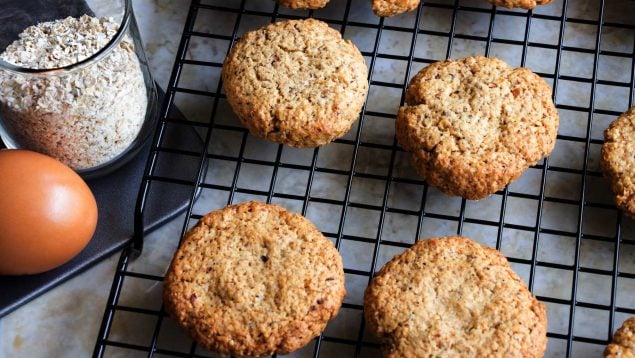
525,4
387,8
618,160
296,82
303,4
254,279
452,297
623,344
474,125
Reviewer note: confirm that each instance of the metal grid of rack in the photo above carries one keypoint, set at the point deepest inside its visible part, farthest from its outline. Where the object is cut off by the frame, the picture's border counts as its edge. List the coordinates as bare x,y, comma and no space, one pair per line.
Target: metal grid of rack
595,277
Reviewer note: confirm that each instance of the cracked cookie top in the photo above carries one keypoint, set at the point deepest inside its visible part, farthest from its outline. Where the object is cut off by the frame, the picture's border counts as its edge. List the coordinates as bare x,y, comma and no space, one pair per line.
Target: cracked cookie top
525,4
254,279
303,4
618,160
393,7
474,125
296,82
452,297
623,343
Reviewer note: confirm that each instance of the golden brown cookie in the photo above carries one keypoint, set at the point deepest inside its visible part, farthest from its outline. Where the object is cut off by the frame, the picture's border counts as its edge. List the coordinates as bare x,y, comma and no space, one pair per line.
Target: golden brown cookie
623,344
393,7
474,125
303,4
525,4
452,297
618,160
254,279
296,82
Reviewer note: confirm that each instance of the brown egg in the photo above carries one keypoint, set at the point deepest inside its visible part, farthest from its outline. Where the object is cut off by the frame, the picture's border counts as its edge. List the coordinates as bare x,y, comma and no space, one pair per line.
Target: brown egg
47,213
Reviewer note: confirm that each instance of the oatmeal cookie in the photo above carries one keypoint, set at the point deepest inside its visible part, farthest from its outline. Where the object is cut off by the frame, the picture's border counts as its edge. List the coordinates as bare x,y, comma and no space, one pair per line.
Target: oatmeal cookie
474,125
452,297
296,82
303,4
254,279
525,4
393,7
623,344
618,160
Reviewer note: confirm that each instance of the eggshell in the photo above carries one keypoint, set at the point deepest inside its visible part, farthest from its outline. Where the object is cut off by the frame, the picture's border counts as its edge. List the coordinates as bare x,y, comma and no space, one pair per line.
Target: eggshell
47,213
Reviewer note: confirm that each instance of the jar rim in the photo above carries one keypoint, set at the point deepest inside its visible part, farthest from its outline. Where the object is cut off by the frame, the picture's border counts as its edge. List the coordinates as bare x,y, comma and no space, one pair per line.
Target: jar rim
101,53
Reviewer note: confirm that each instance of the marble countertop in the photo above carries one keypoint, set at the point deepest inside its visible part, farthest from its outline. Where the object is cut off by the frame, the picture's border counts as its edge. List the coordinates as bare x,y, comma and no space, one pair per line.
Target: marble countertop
65,321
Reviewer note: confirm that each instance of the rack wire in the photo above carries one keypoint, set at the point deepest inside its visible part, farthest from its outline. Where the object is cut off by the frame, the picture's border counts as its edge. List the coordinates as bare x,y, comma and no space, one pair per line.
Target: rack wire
557,225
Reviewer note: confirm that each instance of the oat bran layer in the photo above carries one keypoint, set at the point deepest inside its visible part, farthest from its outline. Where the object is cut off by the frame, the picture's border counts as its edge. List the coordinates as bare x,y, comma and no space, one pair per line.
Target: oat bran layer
452,297
254,279
618,160
296,82
474,125
623,344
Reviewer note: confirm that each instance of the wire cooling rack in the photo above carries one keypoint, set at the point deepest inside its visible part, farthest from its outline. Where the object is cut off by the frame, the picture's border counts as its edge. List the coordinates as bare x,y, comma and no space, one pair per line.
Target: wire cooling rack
557,225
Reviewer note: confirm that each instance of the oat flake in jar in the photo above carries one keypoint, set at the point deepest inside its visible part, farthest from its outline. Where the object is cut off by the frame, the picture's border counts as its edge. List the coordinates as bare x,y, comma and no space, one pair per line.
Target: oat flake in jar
74,83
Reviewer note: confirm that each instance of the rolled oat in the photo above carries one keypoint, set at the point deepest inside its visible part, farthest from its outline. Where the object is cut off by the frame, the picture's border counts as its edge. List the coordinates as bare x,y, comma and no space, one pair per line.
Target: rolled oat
84,117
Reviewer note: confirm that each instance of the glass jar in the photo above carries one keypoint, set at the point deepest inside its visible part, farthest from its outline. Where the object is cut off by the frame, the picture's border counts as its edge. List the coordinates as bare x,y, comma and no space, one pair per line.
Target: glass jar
75,82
